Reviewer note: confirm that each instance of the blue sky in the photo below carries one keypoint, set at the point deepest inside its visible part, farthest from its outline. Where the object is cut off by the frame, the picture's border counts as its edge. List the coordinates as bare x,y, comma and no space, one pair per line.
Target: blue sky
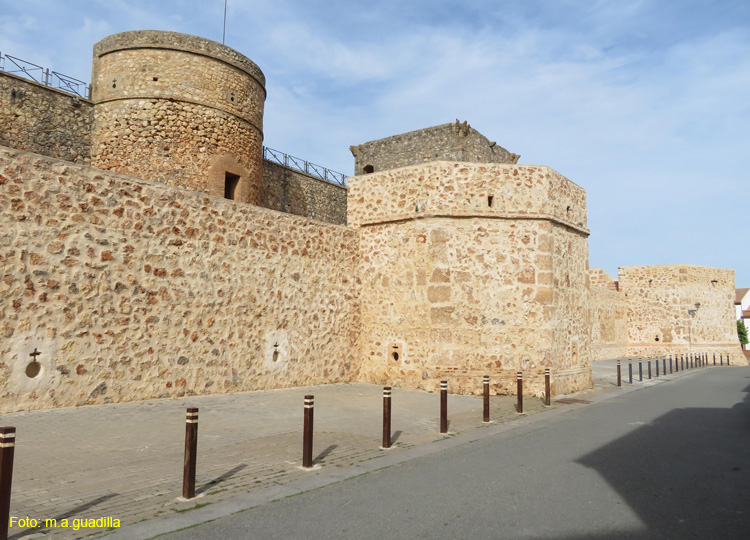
645,104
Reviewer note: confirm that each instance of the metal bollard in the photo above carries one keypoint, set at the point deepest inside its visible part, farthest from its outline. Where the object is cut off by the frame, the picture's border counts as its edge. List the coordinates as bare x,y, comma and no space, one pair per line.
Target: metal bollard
443,406
649,369
640,370
682,362
486,412
721,358
670,364
7,449
630,371
619,374
547,388
307,434
657,367
386,417
714,358
519,391
191,453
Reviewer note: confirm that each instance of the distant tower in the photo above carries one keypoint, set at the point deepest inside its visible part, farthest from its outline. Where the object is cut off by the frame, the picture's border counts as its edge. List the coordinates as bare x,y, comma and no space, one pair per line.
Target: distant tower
179,109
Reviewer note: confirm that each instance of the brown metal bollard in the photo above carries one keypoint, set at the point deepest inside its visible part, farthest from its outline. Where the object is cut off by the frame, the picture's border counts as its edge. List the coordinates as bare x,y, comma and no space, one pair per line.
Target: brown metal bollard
519,391
486,412
386,417
307,434
443,406
191,453
7,449
547,388
619,374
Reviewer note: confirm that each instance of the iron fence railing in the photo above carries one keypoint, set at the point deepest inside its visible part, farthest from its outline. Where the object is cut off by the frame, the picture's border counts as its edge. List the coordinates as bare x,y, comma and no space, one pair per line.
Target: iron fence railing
304,166
54,79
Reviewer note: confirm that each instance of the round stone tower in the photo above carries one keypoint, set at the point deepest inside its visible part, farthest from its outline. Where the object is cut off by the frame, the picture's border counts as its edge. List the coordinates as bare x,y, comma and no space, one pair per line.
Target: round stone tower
181,110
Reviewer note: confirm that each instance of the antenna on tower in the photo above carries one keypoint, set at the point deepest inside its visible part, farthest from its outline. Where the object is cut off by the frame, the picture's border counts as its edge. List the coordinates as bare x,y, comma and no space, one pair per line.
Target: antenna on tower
224,33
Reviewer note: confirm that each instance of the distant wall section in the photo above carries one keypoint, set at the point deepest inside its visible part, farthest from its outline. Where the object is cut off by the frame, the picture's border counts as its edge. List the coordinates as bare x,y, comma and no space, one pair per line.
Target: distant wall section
40,119
294,192
680,309
609,322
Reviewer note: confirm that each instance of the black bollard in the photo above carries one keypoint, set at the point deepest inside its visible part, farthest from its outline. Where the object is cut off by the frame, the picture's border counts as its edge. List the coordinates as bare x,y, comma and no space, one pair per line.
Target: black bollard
519,390
630,371
443,406
7,449
619,374
307,433
657,367
386,417
649,369
640,370
191,453
714,358
486,415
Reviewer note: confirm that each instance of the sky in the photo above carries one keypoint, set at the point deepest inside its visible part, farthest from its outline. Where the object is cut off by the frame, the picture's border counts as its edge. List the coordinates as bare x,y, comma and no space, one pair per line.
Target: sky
645,104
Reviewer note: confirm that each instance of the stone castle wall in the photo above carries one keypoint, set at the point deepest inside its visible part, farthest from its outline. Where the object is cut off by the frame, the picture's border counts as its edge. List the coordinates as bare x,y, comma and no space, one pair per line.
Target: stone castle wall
447,142
660,300
40,119
459,286
609,318
294,192
132,290
178,109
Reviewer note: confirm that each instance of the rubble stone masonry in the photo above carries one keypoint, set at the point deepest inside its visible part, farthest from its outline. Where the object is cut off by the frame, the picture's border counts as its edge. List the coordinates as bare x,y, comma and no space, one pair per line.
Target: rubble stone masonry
469,270
133,290
654,312
178,109
40,119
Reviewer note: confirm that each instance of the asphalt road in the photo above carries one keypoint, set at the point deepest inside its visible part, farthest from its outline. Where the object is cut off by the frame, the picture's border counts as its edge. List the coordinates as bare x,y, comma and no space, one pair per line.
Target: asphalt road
668,461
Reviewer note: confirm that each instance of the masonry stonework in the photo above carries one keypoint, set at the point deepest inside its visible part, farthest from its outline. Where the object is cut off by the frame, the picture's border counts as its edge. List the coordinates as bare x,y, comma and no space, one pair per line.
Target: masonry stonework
125,266
179,109
39,119
294,192
134,290
472,269
449,142
667,309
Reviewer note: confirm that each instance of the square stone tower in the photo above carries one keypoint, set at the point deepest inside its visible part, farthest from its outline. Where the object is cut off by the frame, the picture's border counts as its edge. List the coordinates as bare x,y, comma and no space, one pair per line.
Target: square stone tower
472,269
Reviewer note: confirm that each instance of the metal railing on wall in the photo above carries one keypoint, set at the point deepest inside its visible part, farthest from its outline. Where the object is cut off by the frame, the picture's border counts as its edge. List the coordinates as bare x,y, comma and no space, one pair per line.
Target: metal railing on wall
45,76
306,167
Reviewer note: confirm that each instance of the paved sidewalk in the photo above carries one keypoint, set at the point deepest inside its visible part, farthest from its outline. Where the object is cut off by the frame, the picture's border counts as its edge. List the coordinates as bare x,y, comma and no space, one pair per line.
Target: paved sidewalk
124,461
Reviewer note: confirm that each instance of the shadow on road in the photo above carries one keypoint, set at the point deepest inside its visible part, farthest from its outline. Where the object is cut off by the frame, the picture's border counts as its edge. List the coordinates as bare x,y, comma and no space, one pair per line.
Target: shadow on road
686,474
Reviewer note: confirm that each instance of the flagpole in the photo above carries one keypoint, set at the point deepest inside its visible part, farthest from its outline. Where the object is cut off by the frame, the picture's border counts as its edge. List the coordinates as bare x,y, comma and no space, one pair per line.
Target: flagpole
224,34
